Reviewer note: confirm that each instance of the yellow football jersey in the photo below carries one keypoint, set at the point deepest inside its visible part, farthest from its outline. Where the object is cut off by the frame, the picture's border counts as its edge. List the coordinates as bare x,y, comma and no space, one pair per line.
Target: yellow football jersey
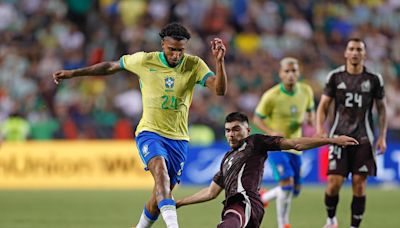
166,91
284,111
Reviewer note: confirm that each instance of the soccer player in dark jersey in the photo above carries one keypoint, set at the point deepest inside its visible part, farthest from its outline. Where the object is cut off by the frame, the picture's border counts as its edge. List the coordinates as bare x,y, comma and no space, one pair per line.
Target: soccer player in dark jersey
353,89
242,168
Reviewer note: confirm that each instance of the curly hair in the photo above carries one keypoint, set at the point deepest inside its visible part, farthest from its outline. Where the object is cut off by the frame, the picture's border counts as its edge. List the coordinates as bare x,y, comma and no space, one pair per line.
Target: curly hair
176,31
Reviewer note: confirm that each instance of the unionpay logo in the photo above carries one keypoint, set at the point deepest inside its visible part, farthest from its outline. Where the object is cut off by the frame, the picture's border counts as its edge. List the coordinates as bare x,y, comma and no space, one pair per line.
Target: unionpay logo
169,82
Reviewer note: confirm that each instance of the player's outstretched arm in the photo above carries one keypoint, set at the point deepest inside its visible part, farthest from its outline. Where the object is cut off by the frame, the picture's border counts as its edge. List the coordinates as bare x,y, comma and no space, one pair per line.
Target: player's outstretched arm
306,143
206,194
100,69
383,124
322,113
218,84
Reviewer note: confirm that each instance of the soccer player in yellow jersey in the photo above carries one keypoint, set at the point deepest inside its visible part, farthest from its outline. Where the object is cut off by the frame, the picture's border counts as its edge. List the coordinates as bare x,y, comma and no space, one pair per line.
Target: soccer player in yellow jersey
167,82
281,112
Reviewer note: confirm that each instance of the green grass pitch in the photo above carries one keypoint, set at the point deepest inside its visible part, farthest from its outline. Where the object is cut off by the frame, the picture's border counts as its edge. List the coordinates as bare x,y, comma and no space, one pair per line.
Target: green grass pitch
122,208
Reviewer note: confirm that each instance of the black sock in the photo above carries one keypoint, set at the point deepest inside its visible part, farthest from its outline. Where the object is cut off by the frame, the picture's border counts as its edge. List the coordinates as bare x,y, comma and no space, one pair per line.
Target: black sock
331,203
357,210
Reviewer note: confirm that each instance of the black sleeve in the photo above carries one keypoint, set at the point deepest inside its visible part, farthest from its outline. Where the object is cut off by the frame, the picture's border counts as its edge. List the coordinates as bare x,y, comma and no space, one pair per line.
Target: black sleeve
218,179
330,87
264,143
379,91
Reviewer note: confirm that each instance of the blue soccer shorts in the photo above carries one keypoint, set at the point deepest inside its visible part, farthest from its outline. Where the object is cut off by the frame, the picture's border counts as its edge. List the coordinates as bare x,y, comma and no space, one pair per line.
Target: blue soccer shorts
286,165
174,152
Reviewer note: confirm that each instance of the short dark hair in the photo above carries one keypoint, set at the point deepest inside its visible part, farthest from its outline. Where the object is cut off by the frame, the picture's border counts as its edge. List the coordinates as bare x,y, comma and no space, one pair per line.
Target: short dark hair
236,116
356,39
176,31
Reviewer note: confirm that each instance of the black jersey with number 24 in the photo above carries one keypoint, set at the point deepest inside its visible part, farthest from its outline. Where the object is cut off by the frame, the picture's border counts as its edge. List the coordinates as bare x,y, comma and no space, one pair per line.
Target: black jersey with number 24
354,96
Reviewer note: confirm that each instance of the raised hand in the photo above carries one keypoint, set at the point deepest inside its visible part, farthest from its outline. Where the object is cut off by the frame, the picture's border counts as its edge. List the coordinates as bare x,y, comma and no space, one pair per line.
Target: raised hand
60,75
218,49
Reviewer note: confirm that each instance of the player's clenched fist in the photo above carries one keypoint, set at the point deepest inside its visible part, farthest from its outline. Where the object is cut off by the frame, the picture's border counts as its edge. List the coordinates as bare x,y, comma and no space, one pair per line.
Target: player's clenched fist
218,48
61,74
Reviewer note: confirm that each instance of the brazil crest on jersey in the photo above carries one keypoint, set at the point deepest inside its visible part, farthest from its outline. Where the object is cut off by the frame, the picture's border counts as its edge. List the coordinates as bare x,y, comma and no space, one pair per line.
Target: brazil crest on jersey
166,91
284,111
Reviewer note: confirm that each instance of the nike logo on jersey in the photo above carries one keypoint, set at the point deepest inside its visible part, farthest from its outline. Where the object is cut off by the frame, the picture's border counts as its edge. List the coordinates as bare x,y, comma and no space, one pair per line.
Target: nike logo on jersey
341,86
152,70
363,169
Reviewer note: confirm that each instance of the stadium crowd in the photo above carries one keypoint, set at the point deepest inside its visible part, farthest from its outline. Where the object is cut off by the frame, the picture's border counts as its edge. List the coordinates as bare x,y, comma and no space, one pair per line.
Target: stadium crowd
38,37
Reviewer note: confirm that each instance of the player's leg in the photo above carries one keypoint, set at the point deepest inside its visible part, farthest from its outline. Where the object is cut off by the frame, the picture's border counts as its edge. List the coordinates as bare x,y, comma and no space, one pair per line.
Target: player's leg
338,169
295,181
333,186
233,215
231,219
283,171
359,185
163,193
283,202
363,165
297,178
153,151
276,160
150,212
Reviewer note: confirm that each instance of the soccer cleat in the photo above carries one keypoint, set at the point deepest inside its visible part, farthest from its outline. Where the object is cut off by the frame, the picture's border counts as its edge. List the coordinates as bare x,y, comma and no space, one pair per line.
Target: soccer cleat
262,192
287,226
331,223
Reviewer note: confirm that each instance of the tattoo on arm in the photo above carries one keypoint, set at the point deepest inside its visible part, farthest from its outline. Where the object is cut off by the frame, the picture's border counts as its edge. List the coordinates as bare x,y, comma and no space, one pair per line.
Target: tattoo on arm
381,107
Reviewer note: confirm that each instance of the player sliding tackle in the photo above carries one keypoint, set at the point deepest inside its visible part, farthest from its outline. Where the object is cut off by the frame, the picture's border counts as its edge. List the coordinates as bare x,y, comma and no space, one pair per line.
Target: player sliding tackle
167,82
242,168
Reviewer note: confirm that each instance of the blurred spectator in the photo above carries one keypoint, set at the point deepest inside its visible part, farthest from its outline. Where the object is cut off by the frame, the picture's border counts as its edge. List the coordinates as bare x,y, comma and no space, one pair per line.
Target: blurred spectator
39,36
15,128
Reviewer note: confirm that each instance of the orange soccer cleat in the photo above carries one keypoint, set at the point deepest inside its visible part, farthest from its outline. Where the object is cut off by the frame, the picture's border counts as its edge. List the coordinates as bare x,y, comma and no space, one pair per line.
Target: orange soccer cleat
262,192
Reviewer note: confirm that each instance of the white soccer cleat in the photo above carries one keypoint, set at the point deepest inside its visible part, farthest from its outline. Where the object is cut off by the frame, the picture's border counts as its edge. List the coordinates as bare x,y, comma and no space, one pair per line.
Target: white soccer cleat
331,223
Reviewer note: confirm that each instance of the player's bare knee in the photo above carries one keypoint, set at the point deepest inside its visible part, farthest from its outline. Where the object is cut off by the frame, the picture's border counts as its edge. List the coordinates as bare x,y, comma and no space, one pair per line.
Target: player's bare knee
158,168
334,185
359,188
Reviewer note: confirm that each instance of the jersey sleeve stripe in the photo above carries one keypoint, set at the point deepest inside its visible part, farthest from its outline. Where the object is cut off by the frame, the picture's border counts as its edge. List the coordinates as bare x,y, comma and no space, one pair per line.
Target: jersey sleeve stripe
380,79
334,126
370,133
121,62
204,79
378,75
337,70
